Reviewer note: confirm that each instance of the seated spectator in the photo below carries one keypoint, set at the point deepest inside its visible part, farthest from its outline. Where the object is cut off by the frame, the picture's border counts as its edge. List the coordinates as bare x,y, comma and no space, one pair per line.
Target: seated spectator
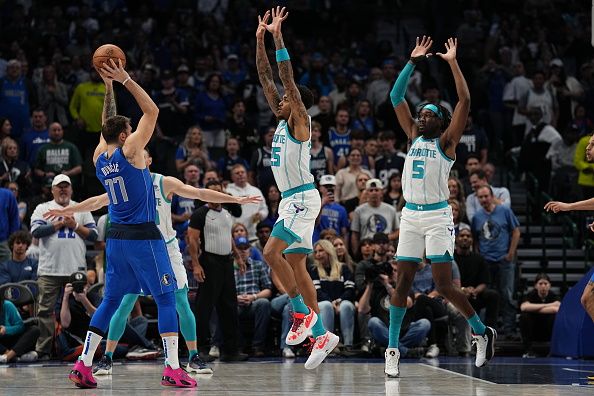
16,340
365,249
539,309
458,213
263,231
273,197
346,178
391,159
363,119
478,179
19,267
332,214
456,190
329,234
335,287
253,293
393,195
358,143
322,157
376,258
342,253
239,230
192,150
230,159
74,314
22,205
12,169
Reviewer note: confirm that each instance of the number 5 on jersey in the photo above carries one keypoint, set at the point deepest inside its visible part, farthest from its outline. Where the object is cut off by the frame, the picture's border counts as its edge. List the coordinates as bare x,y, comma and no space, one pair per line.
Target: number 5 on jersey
418,168
275,159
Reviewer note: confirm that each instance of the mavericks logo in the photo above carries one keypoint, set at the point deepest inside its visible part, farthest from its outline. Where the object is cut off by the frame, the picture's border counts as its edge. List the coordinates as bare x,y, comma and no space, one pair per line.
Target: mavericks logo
166,279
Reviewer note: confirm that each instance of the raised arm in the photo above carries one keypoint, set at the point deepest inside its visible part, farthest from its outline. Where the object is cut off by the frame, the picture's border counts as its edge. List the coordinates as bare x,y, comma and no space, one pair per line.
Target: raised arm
136,142
88,205
453,134
175,186
109,110
401,108
299,120
263,65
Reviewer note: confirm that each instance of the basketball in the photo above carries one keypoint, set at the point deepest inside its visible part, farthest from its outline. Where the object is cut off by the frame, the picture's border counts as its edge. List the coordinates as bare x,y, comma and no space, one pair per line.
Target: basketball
106,52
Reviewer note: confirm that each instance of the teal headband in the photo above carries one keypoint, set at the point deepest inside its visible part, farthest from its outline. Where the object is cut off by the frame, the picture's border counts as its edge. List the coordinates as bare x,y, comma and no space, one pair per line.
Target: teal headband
434,109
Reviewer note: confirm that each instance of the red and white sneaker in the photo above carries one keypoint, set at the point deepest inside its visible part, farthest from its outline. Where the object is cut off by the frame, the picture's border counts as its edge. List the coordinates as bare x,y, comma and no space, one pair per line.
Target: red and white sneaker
302,324
82,376
323,346
178,378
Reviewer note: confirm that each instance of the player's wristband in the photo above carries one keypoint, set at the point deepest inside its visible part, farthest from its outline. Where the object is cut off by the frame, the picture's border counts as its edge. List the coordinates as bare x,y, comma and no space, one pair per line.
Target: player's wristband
282,55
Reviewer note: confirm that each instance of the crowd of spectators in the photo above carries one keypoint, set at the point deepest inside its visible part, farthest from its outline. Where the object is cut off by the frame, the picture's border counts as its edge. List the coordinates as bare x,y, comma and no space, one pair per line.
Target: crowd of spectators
530,69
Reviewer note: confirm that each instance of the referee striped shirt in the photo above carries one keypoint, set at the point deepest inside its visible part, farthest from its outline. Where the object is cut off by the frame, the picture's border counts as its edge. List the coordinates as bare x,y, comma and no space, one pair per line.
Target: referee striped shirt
215,230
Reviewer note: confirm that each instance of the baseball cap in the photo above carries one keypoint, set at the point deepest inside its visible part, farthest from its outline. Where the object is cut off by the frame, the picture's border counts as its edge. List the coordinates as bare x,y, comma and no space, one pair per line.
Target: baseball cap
241,241
380,237
327,179
464,226
78,277
60,179
556,62
232,57
183,69
373,183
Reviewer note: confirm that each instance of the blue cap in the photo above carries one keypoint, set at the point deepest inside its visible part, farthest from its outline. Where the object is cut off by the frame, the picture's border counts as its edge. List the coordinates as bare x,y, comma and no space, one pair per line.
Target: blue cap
241,241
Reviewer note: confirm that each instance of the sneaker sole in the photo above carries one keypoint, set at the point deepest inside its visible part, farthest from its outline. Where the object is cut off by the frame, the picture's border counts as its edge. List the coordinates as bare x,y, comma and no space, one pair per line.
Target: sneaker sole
303,336
175,384
198,371
331,345
74,376
102,372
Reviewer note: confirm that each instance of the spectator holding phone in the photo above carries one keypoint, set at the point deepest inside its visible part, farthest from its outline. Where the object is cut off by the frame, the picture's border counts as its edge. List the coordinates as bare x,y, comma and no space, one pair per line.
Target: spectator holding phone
332,215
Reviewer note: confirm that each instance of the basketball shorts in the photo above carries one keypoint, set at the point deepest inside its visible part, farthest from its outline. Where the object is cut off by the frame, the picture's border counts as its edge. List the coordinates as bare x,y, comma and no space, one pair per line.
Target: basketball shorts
428,232
138,261
177,264
297,215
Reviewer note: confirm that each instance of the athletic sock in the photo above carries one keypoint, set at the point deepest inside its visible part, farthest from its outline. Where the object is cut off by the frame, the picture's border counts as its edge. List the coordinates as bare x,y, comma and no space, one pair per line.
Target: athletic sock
299,305
318,328
170,349
396,316
109,354
92,341
193,353
477,325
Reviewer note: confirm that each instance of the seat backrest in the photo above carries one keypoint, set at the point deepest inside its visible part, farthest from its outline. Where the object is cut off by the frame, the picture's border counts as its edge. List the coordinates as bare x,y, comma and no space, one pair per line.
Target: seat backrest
32,285
18,294
96,289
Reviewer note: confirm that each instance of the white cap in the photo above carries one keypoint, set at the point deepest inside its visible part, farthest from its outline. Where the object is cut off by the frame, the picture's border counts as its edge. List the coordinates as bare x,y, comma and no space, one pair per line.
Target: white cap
373,183
60,179
327,179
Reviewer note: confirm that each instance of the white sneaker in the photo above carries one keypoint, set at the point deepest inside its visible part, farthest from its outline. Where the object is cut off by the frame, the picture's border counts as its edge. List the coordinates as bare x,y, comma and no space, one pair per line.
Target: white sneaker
288,353
28,357
432,351
302,324
323,346
392,369
485,346
3,359
214,351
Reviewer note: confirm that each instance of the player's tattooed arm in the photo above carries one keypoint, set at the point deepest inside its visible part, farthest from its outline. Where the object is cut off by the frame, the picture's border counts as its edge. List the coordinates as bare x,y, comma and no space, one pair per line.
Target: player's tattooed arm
264,68
109,105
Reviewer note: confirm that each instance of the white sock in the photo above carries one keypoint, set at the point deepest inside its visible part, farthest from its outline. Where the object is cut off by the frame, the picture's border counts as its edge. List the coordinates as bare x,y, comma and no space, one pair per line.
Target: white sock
170,348
91,343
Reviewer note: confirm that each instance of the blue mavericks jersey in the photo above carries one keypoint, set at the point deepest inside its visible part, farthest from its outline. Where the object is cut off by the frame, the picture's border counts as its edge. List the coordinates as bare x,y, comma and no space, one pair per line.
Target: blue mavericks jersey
130,190
339,143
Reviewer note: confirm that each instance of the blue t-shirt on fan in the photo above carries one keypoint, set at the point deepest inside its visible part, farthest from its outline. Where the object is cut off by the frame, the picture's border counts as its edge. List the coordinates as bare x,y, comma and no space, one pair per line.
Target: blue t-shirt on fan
493,231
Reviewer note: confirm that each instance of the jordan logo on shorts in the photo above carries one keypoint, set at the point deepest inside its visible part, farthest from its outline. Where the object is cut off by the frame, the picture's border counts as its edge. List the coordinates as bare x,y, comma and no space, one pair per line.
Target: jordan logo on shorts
451,230
166,279
298,208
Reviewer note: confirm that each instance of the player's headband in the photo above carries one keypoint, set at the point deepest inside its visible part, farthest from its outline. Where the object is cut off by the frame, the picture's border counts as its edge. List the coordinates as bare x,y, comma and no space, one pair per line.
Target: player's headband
434,109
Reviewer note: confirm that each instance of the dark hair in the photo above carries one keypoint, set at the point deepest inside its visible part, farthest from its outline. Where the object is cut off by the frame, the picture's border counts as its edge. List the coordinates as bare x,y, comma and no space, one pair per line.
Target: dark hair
306,96
213,183
473,155
480,174
209,79
366,241
19,236
262,225
358,134
387,135
112,128
540,276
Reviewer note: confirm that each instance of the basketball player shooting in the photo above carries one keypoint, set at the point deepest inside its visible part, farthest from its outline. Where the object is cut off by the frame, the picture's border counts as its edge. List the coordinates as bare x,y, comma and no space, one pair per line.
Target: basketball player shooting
427,222
292,233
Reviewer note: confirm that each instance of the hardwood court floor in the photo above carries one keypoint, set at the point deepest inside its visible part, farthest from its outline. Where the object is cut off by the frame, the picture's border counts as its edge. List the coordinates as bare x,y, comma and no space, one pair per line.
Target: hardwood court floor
446,376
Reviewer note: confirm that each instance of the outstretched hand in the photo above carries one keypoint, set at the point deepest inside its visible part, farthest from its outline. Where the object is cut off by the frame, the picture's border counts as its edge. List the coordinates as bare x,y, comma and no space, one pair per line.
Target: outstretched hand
421,48
248,200
278,16
556,206
114,71
262,21
55,213
450,46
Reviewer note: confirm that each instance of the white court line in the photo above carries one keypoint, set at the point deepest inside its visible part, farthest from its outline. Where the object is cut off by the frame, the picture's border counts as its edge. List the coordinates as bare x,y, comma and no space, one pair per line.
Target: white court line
459,374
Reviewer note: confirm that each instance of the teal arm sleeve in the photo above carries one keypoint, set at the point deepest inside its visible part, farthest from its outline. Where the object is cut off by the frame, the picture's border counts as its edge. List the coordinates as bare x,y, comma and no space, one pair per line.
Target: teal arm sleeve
117,325
397,93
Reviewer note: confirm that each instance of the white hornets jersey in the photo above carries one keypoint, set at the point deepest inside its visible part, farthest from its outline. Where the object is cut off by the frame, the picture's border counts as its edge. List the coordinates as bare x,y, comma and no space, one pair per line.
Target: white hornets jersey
290,159
163,215
426,173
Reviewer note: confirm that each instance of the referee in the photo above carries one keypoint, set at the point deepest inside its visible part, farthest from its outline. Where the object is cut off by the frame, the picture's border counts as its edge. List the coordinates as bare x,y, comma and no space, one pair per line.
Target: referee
211,248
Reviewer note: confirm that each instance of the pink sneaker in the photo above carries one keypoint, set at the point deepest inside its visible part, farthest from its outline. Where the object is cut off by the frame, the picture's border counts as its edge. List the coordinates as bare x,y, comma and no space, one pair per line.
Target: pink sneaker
178,378
82,376
302,323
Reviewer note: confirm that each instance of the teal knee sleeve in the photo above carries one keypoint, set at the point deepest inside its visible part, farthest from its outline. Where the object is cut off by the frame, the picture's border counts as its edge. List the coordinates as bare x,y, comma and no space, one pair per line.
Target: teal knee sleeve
187,320
117,325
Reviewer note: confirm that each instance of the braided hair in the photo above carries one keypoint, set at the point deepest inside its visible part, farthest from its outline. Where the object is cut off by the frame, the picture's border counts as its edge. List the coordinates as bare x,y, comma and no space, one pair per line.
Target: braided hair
445,116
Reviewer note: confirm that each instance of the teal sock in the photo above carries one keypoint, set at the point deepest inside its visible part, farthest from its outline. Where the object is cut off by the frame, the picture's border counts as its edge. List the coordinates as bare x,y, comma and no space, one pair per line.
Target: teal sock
478,327
193,353
109,354
318,328
299,305
396,316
